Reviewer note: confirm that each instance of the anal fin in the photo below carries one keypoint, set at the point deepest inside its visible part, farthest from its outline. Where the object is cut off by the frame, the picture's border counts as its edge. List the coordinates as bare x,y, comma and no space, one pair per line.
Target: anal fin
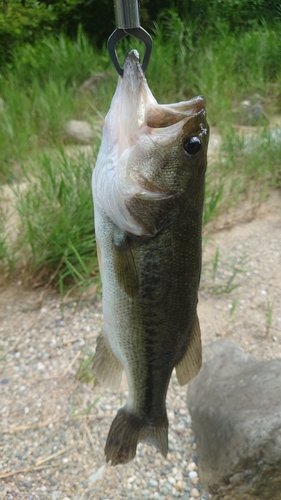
105,365
190,363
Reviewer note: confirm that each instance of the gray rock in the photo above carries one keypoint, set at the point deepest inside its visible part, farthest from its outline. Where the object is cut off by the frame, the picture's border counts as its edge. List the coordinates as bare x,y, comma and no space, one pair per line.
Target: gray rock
275,135
79,131
92,82
250,114
235,406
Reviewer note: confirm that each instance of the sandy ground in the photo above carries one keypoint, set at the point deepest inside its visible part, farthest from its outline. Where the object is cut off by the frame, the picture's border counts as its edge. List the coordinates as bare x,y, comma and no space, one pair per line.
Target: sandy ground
53,428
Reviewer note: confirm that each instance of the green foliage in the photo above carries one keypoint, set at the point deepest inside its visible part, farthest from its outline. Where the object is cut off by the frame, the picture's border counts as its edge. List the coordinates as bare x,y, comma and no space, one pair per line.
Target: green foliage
22,21
26,20
256,160
57,58
40,94
40,89
56,221
4,253
7,255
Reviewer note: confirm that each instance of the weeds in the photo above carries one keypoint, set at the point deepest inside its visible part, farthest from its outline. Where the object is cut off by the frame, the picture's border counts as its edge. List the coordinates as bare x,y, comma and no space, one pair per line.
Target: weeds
84,373
88,410
269,314
7,255
224,275
56,230
232,308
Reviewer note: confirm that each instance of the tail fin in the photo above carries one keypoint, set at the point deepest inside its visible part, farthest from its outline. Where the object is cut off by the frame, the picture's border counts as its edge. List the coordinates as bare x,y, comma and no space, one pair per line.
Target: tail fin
127,431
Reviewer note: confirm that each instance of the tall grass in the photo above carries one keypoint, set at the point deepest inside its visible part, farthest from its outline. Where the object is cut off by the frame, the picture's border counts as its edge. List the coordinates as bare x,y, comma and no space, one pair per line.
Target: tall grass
223,67
246,168
40,89
40,93
56,234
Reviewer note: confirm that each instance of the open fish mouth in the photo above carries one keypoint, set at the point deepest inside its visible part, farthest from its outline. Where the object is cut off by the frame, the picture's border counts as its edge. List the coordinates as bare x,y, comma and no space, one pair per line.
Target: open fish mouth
135,119
138,107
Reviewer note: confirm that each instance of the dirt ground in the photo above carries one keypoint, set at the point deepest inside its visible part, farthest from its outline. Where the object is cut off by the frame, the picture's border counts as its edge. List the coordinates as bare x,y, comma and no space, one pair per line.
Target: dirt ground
53,428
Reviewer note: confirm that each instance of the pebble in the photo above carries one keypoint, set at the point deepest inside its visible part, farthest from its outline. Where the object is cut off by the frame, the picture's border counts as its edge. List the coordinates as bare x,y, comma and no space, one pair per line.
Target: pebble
27,484
97,476
179,486
192,474
56,495
131,479
153,483
195,480
171,480
192,467
195,493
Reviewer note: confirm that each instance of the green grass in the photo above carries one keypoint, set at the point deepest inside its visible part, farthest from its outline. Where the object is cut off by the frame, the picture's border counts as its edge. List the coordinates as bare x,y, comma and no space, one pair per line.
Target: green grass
40,92
247,167
40,89
223,274
56,237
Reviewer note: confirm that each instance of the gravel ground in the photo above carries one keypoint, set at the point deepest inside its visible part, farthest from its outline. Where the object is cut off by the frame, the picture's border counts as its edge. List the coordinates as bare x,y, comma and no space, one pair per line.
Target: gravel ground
53,428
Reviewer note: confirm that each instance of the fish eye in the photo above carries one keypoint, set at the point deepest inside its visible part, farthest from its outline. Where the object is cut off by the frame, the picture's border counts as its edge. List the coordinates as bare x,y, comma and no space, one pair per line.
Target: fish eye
192,146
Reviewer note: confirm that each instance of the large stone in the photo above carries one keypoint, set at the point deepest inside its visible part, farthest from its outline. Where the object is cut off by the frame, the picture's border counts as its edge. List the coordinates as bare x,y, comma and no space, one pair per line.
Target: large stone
91,83
250,114
79,131
235,406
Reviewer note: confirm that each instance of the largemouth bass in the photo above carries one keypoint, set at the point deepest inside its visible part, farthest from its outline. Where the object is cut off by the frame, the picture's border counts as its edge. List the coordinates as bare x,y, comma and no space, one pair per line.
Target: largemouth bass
148,189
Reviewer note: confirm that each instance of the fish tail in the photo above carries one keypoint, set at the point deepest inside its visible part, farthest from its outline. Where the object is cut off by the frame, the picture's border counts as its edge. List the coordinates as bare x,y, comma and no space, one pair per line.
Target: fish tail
127,431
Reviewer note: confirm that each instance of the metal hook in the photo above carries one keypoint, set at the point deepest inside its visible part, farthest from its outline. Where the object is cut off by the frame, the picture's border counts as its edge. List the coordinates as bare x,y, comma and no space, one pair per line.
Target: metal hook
138,33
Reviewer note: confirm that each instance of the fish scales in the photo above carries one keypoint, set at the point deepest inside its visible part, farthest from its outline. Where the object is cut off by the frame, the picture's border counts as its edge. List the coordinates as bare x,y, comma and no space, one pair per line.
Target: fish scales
148,188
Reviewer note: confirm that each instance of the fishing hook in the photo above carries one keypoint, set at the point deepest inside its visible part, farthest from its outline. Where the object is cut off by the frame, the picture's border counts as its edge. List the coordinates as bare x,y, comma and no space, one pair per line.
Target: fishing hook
128,23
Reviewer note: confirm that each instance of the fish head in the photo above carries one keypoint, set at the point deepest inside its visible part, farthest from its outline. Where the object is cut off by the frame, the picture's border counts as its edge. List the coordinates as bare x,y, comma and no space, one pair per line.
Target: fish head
150,153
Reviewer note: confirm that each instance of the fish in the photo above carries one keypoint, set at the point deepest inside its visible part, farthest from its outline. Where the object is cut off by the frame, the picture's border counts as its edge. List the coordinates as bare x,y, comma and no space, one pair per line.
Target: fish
148,191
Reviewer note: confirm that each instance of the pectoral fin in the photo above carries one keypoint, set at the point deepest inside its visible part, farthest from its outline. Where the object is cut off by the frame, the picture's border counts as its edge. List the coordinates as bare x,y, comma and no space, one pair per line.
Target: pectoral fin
191,362
105,365
124,264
